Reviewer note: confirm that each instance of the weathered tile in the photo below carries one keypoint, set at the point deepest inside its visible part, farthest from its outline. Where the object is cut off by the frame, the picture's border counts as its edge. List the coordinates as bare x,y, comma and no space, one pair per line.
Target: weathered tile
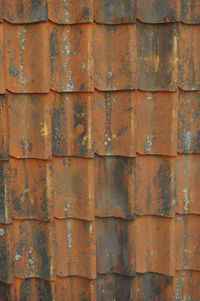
115,57
157,123
34,249
155,185
5,196
2,59
189,57
155,244
157,57
115,11
73,188
26,11
71,11
187,242
27,62
190,11
3,128
187,285
156,11
189,122
115,246
71,57
29,125
71,124
31,191
114,186
114,135
75,248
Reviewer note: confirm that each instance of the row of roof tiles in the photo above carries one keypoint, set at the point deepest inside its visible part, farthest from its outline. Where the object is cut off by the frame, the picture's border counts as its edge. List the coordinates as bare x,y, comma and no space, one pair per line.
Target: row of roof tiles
144,56
70,247
102,11
123,187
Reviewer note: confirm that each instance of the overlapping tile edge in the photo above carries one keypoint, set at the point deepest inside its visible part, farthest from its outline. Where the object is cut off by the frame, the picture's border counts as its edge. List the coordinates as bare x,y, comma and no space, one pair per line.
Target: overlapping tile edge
132,192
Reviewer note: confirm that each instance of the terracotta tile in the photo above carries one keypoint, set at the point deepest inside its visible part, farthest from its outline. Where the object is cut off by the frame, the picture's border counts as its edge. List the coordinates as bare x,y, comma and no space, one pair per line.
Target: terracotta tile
34,251
26,11
115,57
156,123
70,12
115,246
1,10
71,128
114,186
115,12
2,59
187,285
188,184
190,11
29,125
27,68
189,57
189,122
156,11
157,57
154,237
31,193
155,186
114,287
5,197
73,188
5,292
75,248
114,135
71,57
187,242
3,128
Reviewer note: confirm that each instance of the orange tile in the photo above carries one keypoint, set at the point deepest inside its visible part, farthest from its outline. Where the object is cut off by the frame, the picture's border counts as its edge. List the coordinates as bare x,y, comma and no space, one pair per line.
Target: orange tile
189,57
27,68
71,11
156,123
2,60
114,135
187,285
155,186
71,57
5,197
26,11
190,11
187,242
188,184
115,246
114,186
154,240
3,128
115,11
29,126
73,188
157,57
115,57
189,122
71,124
1,10
156,11
75,248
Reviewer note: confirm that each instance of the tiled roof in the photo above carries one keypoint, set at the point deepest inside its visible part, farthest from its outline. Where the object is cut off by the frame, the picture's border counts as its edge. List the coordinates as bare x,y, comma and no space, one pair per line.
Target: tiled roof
99,150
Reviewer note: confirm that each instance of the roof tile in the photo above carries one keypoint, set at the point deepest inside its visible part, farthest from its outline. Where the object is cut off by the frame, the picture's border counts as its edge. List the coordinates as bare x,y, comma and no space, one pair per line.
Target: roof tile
156,123
3,128
1,10
5,197
155,186
71,11
187,242
73,187
189,57
190,11
27,68
157,57
115,11
116,254
26,11
115,57
71,125
71,57
114,186
2,60
114,135
189,122
155,238
31,193
156,11
29,125
187,285
75,248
